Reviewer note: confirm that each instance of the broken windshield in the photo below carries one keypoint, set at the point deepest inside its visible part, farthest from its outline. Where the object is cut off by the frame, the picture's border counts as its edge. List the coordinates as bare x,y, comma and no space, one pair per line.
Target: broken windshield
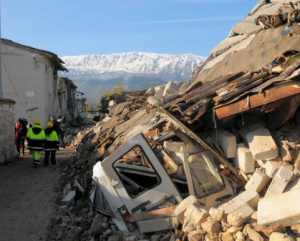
206,179
136,172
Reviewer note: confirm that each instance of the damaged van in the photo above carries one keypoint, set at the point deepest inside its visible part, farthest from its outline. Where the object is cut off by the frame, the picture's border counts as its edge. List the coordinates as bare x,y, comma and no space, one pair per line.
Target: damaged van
140,183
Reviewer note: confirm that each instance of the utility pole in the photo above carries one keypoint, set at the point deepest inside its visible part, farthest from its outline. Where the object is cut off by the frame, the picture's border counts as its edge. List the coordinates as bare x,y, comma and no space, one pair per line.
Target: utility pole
1,81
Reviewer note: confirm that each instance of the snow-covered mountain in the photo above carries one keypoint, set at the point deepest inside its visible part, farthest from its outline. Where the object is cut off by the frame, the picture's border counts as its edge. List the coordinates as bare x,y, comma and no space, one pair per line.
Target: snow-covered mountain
94,74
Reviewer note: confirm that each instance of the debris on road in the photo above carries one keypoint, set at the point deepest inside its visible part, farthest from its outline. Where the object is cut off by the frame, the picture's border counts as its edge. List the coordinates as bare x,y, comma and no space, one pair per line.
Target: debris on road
217,159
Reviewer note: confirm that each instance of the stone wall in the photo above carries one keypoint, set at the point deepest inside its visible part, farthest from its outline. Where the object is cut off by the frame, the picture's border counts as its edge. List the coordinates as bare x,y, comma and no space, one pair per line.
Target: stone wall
7,125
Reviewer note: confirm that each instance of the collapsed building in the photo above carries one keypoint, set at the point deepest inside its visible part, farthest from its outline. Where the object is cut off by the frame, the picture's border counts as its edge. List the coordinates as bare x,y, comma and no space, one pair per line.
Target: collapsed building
216,159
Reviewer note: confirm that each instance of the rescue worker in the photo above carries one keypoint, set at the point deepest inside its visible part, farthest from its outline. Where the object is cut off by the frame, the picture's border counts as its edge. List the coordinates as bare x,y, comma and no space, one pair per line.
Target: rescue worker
51,144
36,141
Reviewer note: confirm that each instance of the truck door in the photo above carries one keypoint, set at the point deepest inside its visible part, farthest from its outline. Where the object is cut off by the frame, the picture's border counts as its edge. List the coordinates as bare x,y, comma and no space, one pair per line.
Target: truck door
138,177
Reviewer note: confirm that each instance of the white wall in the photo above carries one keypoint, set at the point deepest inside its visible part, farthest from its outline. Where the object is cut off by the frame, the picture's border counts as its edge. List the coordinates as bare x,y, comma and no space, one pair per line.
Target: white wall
28,79
7,132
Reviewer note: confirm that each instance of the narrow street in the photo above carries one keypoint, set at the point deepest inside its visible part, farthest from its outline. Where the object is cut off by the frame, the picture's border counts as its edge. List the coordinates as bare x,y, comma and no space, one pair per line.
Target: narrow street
27,197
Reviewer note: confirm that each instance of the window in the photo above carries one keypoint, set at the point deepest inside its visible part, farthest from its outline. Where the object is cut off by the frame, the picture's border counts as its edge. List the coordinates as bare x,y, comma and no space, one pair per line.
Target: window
136,172
205,176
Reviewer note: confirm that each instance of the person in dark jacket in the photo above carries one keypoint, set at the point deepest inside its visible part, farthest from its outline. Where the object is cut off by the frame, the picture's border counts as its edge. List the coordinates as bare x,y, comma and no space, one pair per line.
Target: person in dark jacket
51,144
36,140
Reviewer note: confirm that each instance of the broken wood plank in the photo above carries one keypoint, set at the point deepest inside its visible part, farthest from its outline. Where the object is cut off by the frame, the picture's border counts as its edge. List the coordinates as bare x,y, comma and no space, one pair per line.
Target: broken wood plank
257,100
158,213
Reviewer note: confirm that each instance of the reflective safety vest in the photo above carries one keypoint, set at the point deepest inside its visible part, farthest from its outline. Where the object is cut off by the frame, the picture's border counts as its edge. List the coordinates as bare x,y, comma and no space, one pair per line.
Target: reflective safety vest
36,137
53,136
52,140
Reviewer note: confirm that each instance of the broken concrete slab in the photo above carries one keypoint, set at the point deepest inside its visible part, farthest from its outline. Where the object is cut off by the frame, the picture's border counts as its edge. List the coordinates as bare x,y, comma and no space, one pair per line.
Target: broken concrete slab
244,160
261,143
247,197
228,143
282,209
280,180
258,181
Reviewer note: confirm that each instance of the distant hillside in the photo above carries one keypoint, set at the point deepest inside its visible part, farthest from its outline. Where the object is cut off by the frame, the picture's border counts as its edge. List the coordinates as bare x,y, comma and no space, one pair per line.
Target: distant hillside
94,74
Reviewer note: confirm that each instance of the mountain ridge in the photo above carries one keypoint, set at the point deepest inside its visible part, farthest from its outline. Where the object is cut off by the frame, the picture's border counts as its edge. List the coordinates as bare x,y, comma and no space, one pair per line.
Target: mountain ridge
96,73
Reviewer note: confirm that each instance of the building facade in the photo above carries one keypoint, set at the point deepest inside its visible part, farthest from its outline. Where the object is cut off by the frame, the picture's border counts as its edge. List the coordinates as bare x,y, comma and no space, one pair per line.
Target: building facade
66,95
80,110
7,130
29,77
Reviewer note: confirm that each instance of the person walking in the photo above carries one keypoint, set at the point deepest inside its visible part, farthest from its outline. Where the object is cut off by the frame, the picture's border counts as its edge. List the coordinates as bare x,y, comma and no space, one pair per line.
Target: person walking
36,141
51,144
18,128
20,135
60,132
23,133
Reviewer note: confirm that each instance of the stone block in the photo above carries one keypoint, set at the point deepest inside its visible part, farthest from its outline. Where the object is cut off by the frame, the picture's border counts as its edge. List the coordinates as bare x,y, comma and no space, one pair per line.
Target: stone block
282,209
280,180
258,181
261,143
227,237
240,216
271,167
211,226
252,234
276,236
194,215
216,214
183,206
239,236
228,143
245,160
247,197
196,236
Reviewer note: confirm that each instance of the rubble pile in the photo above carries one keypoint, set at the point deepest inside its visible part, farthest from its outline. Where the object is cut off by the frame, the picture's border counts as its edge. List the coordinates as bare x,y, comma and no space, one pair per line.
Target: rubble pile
74,215
215,159
266,208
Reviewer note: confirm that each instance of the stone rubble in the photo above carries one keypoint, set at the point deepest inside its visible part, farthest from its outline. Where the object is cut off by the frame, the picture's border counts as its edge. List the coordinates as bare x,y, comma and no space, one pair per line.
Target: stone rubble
256,151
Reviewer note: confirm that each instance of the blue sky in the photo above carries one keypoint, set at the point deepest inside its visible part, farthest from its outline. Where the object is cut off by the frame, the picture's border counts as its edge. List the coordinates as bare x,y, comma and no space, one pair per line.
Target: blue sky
72,27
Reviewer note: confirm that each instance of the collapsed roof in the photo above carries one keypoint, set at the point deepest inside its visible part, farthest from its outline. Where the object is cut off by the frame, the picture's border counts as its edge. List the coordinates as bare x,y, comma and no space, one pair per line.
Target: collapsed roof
257,65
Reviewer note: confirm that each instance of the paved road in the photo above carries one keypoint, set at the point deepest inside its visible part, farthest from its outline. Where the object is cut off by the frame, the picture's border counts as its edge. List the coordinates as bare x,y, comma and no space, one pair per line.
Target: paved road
27,197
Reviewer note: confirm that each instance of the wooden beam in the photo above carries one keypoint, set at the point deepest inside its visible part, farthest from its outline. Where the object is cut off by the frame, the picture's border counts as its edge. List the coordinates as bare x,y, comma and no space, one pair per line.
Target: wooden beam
257,100
157,213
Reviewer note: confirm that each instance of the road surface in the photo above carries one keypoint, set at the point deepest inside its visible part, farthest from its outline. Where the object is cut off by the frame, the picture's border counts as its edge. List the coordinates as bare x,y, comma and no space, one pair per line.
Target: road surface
27,199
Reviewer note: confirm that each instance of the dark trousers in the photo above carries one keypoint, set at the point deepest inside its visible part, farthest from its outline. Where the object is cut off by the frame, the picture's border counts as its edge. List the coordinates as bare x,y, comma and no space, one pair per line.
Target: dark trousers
50,155
20,144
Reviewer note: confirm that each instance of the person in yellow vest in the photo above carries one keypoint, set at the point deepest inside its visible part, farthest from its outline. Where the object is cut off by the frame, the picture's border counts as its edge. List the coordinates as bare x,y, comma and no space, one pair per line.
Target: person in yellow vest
36,140
51,144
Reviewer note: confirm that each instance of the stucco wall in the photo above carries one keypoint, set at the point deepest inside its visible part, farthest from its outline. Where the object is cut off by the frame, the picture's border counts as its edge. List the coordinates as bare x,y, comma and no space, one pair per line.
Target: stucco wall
7,125
29,80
